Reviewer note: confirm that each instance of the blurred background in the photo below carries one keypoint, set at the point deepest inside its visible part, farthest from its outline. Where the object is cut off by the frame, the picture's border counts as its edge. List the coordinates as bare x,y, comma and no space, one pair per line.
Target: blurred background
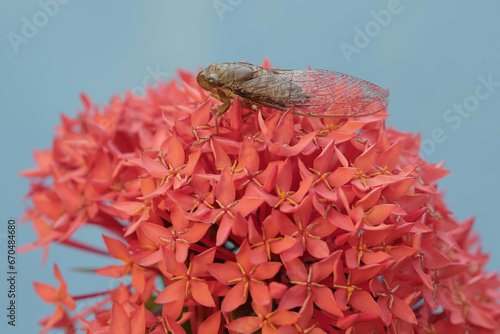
441,61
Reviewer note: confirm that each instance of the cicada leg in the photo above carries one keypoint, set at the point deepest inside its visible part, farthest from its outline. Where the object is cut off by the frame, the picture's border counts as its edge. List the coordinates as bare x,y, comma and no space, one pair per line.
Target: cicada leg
255,109
226,103
217,96
220,111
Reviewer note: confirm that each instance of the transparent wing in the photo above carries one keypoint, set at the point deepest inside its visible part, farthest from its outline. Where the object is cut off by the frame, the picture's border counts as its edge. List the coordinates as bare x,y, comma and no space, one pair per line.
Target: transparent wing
317,93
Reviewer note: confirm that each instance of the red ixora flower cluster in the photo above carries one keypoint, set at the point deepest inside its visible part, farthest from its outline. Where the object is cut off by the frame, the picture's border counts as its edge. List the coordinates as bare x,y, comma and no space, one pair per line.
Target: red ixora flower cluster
277,224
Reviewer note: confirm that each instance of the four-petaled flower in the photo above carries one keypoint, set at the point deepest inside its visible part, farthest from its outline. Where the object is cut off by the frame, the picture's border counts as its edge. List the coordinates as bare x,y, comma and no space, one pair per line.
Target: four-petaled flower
311,281
177,238
267,320
246,277
59,297
186,281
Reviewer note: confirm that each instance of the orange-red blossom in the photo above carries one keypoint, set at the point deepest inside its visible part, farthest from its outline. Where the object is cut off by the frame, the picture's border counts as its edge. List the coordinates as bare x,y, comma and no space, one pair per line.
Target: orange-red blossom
276,223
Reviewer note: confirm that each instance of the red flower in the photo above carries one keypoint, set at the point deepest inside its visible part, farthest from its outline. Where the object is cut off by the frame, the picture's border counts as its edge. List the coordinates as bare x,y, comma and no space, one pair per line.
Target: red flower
255,221
230,212
348,291
186,282
267,320
60,298
141,279
177,238
394,299
249,279
310,281
269,240
305,323
307,233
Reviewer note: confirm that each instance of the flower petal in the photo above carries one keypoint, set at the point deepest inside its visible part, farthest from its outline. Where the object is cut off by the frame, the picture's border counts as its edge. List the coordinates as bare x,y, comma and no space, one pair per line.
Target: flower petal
245,325
295,296
211,324
173,292
201,294
403,310
260,293
224,272
234,298
323,297
363,301
266,270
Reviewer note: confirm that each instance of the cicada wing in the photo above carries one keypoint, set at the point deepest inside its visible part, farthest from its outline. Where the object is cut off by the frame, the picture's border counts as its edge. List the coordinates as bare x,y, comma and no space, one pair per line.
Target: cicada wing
339,95
317,93
350,108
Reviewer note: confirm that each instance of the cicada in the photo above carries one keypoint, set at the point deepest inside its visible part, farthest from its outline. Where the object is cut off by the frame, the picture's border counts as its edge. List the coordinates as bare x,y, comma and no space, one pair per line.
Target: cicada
313,93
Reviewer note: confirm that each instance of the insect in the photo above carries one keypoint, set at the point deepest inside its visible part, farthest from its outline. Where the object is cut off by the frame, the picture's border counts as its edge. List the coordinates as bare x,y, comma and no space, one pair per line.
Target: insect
313,93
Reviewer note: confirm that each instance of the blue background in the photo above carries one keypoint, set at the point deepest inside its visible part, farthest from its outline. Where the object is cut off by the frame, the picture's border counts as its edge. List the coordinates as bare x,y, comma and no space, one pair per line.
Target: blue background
430,55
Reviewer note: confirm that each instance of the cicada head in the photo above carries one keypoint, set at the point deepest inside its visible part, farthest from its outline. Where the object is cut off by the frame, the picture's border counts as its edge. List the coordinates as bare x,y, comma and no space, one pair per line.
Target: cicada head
211,77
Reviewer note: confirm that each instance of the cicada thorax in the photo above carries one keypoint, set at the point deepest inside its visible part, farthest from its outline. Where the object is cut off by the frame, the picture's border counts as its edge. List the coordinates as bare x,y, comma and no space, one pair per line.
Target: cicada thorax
231,75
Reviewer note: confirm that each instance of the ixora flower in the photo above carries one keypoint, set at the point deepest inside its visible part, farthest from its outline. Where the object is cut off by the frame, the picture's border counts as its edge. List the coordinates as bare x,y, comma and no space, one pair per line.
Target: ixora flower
272,223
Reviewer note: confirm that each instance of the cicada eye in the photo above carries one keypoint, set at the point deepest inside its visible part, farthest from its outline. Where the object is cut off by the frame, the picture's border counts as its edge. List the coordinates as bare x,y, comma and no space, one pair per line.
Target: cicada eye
213,80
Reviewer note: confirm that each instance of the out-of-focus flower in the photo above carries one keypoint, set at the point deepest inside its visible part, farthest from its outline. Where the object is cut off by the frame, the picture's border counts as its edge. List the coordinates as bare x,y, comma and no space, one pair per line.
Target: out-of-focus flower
60,298
276,223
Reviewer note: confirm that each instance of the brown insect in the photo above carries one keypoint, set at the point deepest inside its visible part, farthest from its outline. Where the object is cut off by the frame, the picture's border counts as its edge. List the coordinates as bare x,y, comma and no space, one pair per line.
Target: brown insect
313,93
